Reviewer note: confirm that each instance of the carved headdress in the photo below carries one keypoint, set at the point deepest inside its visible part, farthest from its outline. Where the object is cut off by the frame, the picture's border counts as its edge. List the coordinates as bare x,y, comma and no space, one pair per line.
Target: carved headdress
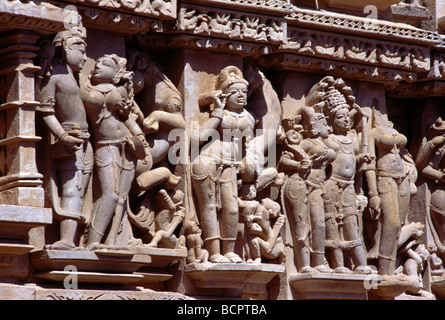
78,32
329,95
228,76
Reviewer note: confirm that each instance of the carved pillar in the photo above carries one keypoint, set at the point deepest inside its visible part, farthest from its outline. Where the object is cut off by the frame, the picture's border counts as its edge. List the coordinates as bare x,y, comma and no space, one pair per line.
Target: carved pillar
21,192
20,183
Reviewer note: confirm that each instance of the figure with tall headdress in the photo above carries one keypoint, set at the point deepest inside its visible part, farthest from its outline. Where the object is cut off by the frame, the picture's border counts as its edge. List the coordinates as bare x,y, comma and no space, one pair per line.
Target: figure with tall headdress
342,186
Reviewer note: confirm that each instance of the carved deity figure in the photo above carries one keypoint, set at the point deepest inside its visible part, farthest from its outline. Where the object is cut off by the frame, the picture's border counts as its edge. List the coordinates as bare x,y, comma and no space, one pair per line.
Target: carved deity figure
343,186
295,163
262,234
262,219
389,188
64,115
431,164
195,245
412,256
315,130
118,143
156,209
221,163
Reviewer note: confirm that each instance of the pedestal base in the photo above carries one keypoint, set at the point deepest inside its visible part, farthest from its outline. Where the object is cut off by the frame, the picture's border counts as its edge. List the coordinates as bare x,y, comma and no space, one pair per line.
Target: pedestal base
132,266
240,279
36,292
390,287
323,286
15,225
438,287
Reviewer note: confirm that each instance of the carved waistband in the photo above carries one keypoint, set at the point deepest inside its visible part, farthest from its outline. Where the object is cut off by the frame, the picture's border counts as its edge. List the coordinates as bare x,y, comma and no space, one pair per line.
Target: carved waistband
341,180
112,142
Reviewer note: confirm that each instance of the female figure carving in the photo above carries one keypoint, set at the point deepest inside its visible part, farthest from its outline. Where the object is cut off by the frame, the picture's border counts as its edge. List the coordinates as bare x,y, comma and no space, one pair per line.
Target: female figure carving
216,170
431,164
118,142
389,188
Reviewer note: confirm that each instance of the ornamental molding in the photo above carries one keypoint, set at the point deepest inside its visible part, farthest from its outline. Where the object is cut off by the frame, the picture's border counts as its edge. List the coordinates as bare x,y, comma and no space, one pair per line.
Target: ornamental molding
424,89
361,72
118,22
42,17
246,49
241,26
322,20
265,7
161,9
357,49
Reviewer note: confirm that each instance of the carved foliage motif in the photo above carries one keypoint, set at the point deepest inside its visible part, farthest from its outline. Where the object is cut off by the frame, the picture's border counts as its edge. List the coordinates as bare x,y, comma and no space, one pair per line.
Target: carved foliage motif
157,8
210,22
355,49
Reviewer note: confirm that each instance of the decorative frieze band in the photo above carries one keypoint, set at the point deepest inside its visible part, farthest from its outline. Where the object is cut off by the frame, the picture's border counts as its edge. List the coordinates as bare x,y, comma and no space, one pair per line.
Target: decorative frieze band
278,7
235,25
42,17
358,49
386,76
118,22
165,9
364,26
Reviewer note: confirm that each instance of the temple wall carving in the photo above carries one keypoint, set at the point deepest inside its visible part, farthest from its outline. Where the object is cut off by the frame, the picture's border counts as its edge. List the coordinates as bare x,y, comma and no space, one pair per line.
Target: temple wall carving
222,148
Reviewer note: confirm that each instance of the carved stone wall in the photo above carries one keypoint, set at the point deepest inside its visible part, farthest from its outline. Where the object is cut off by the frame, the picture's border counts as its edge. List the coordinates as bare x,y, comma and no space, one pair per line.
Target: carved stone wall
195,149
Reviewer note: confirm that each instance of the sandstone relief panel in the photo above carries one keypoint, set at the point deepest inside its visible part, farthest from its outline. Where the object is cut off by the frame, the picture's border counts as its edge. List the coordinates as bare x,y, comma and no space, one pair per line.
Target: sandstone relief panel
234,149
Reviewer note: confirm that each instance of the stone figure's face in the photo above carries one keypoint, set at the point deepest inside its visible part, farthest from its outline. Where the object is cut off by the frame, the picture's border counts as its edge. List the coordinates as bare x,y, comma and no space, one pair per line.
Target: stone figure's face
341,121
322,125
105,70
293,137
75,49
237,96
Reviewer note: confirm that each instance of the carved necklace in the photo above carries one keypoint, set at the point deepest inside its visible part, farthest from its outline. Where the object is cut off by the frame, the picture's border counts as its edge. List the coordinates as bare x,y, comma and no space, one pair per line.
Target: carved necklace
345,144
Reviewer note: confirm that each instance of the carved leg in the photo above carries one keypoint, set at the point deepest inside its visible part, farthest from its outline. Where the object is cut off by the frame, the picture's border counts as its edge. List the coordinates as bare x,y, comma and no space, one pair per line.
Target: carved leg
229,214
297,211
71,182
333,252
125,181
351,233
391,226
316,211
205,191
106,204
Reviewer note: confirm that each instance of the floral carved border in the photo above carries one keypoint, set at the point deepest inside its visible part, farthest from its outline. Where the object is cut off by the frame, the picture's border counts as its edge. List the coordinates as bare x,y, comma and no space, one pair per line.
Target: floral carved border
205,21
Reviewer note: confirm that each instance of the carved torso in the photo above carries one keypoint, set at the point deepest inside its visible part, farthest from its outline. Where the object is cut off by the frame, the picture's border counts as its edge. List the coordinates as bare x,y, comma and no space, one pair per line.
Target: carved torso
389,143
102,103
346,147
233,129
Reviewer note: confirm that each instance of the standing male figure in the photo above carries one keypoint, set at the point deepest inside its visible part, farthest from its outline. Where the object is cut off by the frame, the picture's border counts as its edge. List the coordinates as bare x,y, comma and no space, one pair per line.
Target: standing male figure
64,115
